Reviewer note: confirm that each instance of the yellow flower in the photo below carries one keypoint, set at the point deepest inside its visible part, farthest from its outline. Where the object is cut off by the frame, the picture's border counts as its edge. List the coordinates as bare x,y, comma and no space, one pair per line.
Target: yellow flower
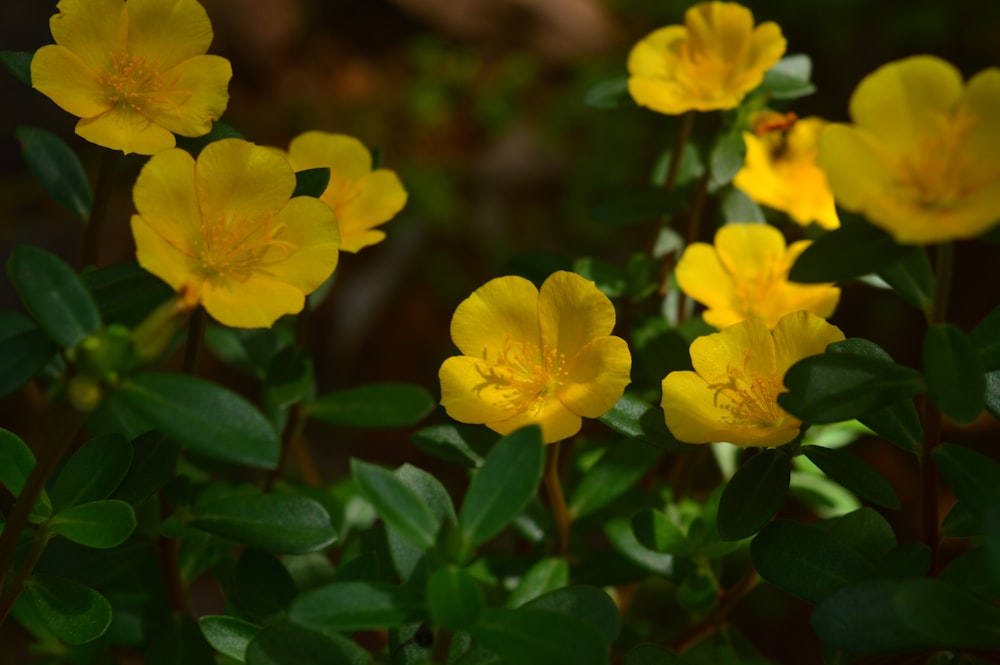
745,275
920,160
225,231
711,62
534,357
135,73
361,198
733,393
781,172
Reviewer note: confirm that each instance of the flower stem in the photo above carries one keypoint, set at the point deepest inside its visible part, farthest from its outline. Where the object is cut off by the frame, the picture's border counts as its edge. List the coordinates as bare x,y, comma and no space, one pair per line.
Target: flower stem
683,135
103,191
192,347
557,501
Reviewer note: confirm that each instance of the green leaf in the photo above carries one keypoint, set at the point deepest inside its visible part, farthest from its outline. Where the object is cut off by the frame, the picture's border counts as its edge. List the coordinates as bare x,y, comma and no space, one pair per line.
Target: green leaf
280,523
985,337
458,444
617,471
865,530
898,423
698,591
93,472
228,635
375,405
414,564
287,644
76,614
912,277
789,78
287,382
503,486
53,295
545,575
125,293
203,418
154,461
220,130
637,419
834,387
992,397
541,637
854,474
911,559
738,208
57,168
454,598
401,507
311,182
609,278
622,537
726,159
16,464
973,477
655,531
651,654
805,560
586,602
350,606
609,94
754,494
639,206
19,64
263,588
98,524
24,351
892,615
955,381
855,249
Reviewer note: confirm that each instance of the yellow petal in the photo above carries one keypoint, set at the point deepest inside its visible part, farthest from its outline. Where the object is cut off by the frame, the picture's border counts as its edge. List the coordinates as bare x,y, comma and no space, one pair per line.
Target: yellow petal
858,168
237,179
307,248
380,196
504,309
167,32
719,29
196,97
572,312
596,377
981,143
344,155
746,347
253,303
767,45
121,128
91,29
556,420
164,195
701,276
799,335
64,78
163,259
469,394
748,251
693,411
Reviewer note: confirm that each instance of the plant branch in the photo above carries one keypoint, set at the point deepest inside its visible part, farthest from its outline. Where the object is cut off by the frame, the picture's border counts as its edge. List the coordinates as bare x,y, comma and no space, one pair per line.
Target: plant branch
103,191
720,613
192,346
557,501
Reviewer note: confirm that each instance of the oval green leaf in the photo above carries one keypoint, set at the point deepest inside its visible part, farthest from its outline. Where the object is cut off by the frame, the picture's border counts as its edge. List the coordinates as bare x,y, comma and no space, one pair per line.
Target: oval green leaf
636,419
279,523
285,643
855,249
374,406
973,477
93,472
854,474
125,293
18,63
912,277
16,464
57,168
618,469
396,503
541,637
311,182
228,635
23,353
454,598
76,614
98,524
955,378
586,602
608,94
357,605
545,575
754,494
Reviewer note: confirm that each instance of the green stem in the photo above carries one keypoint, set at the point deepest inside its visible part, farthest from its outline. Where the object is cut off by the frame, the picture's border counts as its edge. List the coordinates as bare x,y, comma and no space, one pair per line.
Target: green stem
718,616
103,191
27,567
557,501
192,347
683,135
70,423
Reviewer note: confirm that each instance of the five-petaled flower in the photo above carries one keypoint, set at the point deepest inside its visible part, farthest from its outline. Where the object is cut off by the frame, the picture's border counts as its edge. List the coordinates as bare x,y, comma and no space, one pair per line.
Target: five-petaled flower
534,356
745,275
711,62
920,160
225,230
361,198
134,72
781,172
733,393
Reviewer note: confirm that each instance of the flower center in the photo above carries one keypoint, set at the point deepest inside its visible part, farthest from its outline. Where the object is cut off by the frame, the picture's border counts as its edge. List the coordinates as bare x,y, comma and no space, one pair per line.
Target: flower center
134,82
933,173
525,376
754,294
236,247
752,398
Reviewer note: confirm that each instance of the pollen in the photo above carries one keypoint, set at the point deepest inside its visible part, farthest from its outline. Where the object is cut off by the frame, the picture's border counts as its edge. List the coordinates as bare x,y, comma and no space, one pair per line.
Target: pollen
134,82
238,247
750,400
526,376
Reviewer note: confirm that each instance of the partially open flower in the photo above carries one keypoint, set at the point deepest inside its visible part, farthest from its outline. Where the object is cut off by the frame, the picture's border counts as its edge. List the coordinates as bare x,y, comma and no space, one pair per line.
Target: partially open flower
920,160
361,198
745,275
534,357
225,232
134,72
711,62
732,394
781,172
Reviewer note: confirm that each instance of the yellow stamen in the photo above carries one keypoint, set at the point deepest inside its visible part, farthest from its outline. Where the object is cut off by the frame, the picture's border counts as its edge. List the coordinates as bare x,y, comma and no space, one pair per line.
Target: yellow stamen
754,397
525,376
237,247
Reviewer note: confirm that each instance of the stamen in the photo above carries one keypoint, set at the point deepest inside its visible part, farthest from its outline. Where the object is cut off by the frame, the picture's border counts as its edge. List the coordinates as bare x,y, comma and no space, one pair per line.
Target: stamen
238,247
753,397
524,376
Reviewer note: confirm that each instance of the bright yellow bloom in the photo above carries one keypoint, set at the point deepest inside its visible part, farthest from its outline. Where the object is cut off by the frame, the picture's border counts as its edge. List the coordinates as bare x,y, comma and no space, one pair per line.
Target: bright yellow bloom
920,160
781,172
745,275
732,394
135,73
361,198
711,62
534,357
225,230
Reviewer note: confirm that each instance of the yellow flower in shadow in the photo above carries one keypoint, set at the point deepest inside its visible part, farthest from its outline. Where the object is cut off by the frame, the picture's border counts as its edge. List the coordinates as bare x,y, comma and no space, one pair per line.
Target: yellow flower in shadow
745,275
780,170
225,231
732,394
134,72
711,62
360,197
920,160
533,356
